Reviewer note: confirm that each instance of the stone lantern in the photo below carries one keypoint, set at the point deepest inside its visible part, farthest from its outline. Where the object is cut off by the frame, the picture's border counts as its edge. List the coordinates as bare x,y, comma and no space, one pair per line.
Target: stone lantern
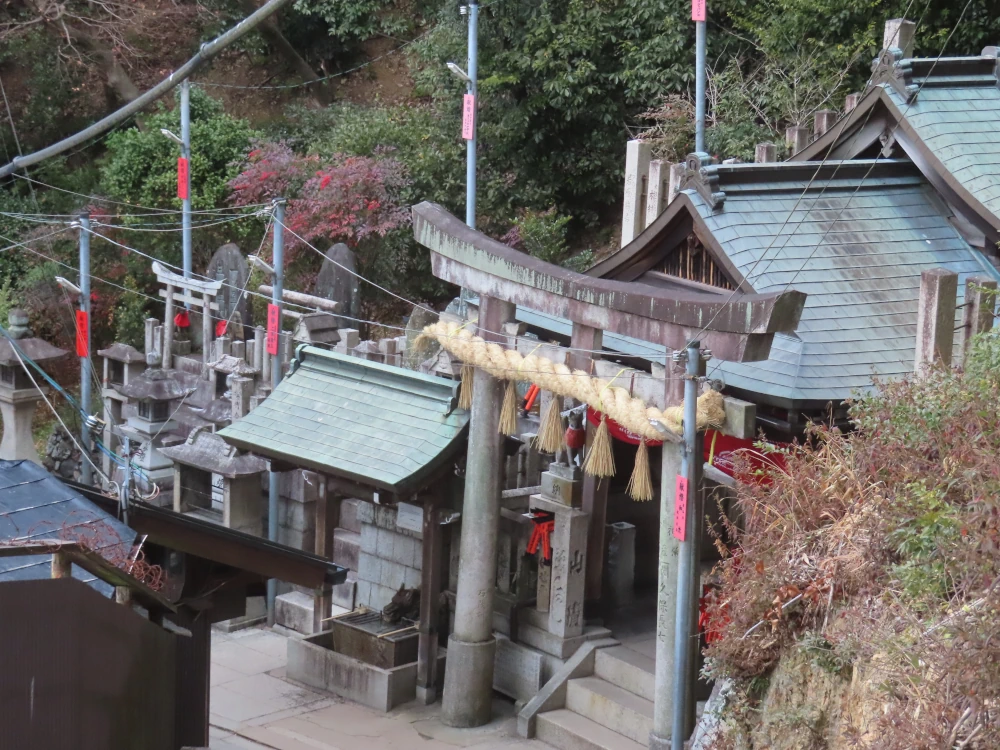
18,394
156,395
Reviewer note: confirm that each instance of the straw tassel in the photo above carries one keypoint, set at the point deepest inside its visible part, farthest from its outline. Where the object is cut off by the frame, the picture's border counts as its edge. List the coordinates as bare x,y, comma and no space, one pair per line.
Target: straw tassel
508,412
550,434
600,461
640,484
465,392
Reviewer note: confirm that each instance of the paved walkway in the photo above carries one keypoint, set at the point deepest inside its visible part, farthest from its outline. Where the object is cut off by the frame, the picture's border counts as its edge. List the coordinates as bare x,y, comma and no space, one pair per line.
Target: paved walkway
254,706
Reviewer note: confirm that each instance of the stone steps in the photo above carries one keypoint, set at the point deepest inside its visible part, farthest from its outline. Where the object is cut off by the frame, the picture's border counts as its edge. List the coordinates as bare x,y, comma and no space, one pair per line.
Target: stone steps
561,648
610,706
627,669
570,731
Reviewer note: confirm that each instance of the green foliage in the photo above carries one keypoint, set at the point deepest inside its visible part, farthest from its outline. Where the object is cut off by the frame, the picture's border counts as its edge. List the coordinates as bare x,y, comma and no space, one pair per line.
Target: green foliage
130,317
353,21
542,234
923,537
141,168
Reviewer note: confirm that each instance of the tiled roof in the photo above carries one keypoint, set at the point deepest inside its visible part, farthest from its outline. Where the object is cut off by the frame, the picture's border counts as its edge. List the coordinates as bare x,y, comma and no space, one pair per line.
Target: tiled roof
35,506
375,424
855,241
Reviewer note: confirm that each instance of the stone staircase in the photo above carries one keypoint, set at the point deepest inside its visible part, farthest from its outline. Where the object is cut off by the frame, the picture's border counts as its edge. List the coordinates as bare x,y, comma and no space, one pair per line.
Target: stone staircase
609,710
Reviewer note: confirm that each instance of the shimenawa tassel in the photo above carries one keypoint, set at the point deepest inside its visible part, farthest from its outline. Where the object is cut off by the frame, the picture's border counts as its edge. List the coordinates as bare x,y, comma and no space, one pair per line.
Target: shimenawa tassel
508,412
550,433
600,461
640,484
465,392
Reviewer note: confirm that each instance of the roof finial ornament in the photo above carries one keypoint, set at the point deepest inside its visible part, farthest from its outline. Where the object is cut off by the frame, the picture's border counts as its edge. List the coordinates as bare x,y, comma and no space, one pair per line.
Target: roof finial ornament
701,174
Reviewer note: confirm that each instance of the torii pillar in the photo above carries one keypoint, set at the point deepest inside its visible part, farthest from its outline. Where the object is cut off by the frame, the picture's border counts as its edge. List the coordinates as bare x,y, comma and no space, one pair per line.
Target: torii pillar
468,680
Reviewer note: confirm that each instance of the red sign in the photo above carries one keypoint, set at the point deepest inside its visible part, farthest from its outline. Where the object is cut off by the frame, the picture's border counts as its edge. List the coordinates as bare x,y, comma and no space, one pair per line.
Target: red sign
681,508
182,178
697,10
273,326
617,431
469,117
81,334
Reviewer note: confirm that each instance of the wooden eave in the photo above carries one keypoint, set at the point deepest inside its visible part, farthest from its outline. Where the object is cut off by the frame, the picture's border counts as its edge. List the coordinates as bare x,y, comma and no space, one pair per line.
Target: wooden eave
673,226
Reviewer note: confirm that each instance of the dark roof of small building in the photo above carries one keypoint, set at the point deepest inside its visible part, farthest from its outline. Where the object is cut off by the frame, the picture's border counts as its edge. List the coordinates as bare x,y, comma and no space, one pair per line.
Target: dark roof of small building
122,353
372,423
854,236
207,451
160,385
35,349
34,505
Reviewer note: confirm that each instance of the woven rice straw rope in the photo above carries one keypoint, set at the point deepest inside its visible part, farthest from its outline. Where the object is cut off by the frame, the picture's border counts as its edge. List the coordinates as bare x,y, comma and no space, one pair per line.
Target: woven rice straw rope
628,411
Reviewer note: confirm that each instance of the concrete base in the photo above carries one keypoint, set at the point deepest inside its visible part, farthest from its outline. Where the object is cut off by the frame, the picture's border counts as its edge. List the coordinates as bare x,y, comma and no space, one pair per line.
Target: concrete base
256,614
659,743
426,695
312,662
468,698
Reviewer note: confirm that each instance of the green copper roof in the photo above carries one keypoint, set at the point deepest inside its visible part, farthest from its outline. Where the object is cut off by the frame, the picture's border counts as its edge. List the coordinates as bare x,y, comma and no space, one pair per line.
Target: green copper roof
347,417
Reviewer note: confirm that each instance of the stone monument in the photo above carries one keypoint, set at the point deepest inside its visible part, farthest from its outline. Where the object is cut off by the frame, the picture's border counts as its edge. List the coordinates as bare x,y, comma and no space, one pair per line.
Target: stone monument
18,394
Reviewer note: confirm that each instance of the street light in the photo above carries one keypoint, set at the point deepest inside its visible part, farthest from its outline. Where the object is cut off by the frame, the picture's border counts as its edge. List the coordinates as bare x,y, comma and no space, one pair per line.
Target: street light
453,68
175,138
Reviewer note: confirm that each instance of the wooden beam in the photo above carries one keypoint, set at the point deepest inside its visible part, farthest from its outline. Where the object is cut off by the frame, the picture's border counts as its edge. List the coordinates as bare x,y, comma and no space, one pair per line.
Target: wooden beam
66,554
304,300
741,326
203,287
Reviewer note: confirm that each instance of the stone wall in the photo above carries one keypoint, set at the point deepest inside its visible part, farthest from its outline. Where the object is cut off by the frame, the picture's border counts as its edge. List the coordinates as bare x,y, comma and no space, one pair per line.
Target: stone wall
389,556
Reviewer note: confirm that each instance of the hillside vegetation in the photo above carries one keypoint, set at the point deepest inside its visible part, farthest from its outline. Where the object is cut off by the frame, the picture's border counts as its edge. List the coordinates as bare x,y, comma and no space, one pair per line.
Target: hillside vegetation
859,606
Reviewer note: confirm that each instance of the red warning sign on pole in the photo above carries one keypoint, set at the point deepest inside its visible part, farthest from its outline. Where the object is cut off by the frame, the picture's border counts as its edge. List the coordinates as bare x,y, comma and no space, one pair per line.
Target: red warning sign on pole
273,326
697,10
81,334
469,117
182,178
681,508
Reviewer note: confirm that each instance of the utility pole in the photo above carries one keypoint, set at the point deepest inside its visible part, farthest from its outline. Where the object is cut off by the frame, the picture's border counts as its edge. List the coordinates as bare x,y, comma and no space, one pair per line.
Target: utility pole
274,320
472,90
688,520
83,348
470,105
698,15
186,198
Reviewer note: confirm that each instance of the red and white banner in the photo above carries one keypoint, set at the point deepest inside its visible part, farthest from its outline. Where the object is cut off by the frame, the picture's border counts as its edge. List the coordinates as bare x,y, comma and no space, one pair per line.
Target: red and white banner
182,178
273,326
82,329
469,117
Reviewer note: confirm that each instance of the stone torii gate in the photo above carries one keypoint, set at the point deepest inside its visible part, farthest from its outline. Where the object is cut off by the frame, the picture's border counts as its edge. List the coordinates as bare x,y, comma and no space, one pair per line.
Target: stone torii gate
208,291
737,327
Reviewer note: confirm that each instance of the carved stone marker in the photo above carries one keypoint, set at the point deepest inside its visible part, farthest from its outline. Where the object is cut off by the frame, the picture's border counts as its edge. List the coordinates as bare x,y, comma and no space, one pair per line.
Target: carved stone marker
229,266
337,281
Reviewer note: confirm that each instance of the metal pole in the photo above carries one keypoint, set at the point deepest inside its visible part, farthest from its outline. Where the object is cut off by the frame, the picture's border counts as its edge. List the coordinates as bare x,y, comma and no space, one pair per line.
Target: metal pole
86,471
699,87
666,612
273,477
472,87
186,204
688,554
